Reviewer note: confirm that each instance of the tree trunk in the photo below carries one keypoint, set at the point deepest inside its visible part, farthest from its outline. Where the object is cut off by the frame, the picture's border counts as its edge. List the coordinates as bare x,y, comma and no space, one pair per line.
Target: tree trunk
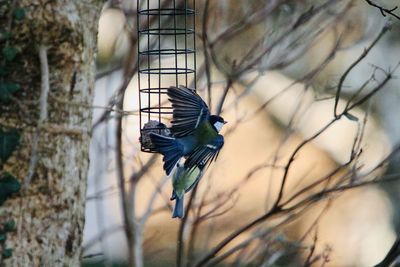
47,71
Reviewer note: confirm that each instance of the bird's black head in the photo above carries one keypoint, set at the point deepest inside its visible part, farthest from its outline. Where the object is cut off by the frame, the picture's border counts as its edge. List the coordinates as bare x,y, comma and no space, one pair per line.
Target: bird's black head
217,122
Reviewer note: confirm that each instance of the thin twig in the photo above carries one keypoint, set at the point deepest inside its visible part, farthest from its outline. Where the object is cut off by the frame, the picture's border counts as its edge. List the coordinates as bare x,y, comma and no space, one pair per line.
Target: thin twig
383,10
223,97
180,243
354,64
127,214
375,90
294,154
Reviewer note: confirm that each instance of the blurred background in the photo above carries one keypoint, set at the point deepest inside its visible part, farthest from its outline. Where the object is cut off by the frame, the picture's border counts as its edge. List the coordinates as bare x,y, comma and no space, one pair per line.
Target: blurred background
273,69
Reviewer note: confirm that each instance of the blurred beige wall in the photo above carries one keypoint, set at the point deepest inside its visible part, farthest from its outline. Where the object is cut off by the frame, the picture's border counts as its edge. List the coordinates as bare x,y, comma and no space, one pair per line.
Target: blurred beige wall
356,225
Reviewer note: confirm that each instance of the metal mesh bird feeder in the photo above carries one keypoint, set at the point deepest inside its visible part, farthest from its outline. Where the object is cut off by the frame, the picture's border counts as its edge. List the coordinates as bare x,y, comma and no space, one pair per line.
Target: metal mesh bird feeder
166,57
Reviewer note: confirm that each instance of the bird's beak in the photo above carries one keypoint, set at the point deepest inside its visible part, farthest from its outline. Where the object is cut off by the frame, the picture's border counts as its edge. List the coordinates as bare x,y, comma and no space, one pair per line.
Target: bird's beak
225,122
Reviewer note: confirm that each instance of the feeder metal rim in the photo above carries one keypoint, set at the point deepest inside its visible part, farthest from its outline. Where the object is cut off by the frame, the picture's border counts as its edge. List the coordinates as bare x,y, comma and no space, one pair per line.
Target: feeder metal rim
156,90
166,11
153,128
167,31
156,108
166,71
157,52
158,112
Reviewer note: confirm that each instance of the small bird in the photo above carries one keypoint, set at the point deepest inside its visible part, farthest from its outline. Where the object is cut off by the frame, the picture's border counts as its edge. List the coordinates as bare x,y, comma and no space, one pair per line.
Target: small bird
183,180
194,131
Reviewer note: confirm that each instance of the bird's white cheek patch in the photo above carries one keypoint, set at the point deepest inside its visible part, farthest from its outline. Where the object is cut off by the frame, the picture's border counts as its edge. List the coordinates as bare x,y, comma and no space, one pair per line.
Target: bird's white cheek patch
218,125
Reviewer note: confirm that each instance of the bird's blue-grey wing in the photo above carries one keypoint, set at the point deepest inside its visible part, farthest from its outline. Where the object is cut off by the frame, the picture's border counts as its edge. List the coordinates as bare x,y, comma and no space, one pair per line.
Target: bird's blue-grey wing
189,110
205,154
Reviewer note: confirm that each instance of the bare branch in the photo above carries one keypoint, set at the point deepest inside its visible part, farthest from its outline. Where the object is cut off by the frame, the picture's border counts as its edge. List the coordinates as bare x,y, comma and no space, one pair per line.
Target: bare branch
384,11
385,29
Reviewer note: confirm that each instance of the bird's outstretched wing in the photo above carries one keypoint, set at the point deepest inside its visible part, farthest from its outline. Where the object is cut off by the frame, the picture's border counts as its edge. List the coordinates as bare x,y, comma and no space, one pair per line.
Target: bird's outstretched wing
189,110
205,154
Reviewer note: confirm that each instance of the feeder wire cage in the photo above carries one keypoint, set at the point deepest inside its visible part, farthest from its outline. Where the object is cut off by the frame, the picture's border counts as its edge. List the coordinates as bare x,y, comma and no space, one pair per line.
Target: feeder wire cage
166,57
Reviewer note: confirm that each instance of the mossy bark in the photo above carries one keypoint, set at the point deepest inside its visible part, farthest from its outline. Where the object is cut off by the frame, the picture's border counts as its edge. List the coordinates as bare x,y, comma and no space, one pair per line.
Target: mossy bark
49,209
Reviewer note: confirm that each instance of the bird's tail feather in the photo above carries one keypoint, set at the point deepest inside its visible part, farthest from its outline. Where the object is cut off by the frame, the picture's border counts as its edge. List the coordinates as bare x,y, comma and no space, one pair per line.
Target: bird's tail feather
170,148
178,210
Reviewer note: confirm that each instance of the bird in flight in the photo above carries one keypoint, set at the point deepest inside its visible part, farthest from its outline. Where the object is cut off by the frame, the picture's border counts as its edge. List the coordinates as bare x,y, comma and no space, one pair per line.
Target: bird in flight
195,132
